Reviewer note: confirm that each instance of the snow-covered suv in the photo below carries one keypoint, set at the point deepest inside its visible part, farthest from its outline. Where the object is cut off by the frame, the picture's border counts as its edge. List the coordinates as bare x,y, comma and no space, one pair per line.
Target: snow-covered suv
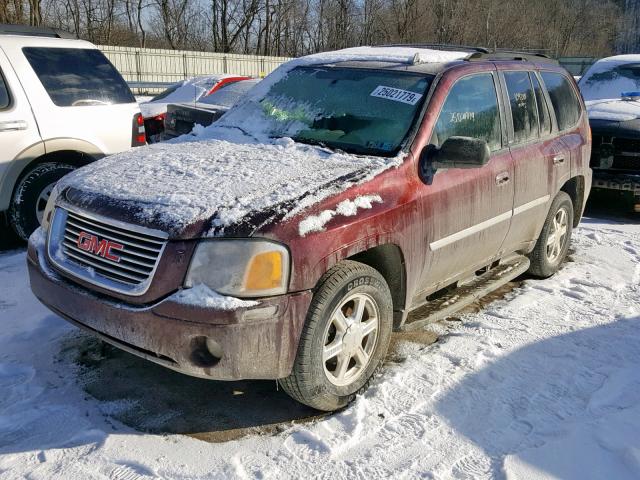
347,194
62,105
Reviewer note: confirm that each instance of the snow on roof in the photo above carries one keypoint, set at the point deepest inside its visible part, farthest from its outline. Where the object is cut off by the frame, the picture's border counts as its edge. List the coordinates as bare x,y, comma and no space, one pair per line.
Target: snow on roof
409,55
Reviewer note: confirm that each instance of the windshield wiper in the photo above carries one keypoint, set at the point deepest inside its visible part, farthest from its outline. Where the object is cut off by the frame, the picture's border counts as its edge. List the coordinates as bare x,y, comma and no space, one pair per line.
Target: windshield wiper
310,141
242,130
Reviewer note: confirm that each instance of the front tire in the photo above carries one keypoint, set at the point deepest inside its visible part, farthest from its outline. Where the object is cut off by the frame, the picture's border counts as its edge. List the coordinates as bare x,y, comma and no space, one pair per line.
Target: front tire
31,195
345,338
553,242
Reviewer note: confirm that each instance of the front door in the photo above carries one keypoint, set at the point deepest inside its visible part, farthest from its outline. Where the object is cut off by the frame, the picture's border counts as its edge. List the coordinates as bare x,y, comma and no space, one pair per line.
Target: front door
467,212
18,129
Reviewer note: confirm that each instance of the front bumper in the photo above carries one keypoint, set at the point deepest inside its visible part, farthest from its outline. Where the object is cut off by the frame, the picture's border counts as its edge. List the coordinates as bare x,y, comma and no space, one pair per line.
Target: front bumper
256,343
623,182
619,187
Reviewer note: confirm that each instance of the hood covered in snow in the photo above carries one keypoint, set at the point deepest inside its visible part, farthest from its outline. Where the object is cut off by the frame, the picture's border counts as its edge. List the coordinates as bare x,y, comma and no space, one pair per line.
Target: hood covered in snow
216,187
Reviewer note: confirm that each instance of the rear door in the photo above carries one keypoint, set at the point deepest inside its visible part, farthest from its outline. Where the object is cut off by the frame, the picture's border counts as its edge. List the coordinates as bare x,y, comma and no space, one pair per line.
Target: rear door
77,94
538,154
19,134
467,211
567,110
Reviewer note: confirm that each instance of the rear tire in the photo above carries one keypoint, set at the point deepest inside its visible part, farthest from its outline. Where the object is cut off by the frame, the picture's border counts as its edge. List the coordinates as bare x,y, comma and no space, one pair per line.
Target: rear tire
30,196
555,237
345,338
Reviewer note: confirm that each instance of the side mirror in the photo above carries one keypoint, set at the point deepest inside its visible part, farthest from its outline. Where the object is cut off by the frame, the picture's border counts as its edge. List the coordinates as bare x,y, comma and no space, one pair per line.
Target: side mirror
461,152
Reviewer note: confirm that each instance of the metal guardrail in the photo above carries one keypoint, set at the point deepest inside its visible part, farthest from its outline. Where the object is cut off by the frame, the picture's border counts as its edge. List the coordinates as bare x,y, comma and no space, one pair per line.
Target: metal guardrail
577,66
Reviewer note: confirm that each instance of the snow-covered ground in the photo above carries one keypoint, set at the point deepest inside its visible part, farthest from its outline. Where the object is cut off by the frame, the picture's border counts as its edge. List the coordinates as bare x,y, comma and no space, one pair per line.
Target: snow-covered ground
543,383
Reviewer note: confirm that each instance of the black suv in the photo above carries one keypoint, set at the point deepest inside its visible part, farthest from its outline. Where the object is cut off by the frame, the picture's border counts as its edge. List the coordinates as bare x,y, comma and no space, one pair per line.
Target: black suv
611,89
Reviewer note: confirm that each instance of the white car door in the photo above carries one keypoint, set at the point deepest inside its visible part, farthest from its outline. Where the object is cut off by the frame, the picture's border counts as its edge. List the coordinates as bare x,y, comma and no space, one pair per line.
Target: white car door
19,135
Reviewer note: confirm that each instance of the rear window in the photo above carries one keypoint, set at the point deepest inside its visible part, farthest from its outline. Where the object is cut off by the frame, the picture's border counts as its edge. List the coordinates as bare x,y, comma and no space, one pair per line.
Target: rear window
543,111
523,106
563,98
75,77
229,93
167,92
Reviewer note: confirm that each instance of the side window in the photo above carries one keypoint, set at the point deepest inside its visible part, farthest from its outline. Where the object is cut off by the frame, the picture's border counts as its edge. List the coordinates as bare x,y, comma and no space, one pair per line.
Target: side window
523,106
543,110
471,110
564,100
4,93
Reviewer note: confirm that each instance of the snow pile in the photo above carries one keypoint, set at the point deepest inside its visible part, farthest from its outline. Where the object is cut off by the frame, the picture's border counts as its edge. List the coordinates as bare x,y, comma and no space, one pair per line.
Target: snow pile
606,79
346,208
202,296
177,184
613,110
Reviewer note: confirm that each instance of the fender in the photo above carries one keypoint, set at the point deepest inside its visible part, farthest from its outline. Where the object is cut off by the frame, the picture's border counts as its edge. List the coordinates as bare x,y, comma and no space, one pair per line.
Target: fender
33,154
15,168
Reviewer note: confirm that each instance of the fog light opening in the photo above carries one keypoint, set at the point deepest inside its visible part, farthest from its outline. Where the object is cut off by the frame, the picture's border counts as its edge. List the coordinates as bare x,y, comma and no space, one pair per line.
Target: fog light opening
205,352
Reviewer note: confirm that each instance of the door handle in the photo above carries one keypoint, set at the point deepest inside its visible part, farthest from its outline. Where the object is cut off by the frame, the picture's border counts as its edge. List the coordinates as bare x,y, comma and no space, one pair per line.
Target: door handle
502,178
558,159
12,125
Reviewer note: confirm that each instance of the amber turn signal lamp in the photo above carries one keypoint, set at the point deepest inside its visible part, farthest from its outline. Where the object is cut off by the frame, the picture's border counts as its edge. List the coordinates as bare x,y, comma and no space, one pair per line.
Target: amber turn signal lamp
264,272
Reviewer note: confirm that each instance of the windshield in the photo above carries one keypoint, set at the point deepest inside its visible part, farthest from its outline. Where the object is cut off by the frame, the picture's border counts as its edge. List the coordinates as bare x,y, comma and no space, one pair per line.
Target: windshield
229,94
607,80
167,92
356,110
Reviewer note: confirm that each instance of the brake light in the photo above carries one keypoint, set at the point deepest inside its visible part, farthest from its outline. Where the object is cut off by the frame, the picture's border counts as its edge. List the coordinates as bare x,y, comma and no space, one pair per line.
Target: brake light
138,135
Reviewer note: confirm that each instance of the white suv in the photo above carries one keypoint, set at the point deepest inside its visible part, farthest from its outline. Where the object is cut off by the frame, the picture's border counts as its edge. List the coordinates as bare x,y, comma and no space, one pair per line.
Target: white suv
62,105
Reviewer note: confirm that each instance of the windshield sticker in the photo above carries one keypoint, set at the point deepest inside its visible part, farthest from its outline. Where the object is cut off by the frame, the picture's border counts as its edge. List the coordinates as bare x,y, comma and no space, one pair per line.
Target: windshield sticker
396,94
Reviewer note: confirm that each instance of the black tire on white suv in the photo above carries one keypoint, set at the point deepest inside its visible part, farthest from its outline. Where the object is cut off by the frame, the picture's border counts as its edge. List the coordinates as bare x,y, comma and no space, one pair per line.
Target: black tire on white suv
31,194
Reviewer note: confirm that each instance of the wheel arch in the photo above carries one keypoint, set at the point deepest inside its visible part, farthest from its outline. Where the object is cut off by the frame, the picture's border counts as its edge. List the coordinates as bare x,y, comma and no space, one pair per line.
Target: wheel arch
575,188
389,261
33,157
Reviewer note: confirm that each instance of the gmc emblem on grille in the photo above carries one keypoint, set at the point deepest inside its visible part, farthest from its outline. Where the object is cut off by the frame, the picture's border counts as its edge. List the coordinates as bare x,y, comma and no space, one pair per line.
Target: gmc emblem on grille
103,248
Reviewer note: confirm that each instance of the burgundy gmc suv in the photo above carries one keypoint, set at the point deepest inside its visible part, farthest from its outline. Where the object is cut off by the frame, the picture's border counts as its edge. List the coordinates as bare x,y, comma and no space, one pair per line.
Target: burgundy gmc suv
349,194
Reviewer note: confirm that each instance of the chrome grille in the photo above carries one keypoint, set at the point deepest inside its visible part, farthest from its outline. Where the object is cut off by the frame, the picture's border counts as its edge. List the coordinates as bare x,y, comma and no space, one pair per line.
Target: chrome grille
129,268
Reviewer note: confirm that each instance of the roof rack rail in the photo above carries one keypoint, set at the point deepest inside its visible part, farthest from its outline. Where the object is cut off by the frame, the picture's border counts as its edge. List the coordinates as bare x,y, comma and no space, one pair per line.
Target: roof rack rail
504,54
439,46
10,29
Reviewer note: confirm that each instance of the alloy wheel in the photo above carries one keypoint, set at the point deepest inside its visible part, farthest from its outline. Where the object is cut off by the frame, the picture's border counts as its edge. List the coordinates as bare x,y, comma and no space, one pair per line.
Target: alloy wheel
557,236
350,339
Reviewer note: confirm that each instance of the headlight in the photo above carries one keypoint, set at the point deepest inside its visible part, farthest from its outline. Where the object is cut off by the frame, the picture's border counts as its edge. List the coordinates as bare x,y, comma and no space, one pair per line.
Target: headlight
48,210
241,268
